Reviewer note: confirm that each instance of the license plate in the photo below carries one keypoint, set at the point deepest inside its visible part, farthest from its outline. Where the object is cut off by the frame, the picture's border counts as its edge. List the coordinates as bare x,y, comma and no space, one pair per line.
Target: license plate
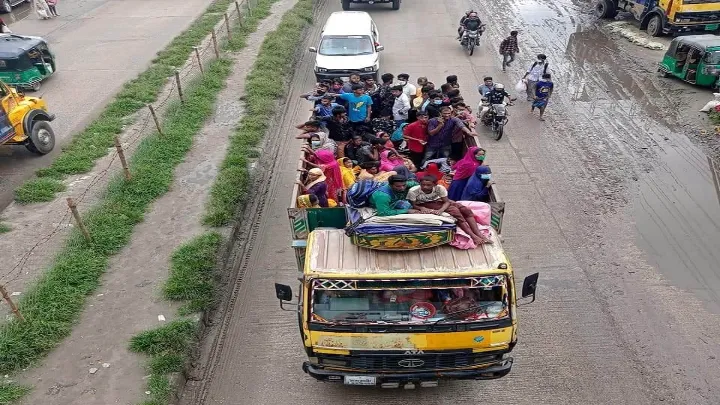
712,27
359,380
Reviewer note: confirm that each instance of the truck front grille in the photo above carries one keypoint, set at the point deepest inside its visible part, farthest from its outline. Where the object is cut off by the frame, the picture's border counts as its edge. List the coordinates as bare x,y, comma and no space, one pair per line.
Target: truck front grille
374,361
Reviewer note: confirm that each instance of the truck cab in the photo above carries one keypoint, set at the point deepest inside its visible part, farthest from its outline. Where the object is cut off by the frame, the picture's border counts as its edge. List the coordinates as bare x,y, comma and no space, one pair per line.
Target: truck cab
660,17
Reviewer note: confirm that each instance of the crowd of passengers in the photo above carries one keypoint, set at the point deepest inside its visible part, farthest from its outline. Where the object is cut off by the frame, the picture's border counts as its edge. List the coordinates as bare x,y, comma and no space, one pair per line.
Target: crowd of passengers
409,137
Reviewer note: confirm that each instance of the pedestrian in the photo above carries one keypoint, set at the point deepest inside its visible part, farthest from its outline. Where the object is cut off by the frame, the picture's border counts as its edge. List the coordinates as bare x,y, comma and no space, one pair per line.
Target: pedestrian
42,9
51,5
359,108
416,135
354,79
337,128
401,105
435,102
384,98
543,91
534,74
508,49
440,134
370,86
453,81
421,82
408,88
325,108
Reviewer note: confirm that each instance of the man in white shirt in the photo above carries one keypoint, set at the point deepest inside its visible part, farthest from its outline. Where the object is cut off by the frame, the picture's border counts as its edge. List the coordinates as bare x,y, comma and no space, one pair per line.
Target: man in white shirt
409,89
533,75
401,106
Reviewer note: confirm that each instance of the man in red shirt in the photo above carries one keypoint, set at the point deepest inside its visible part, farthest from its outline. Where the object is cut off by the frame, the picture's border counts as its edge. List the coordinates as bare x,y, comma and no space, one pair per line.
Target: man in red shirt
416,135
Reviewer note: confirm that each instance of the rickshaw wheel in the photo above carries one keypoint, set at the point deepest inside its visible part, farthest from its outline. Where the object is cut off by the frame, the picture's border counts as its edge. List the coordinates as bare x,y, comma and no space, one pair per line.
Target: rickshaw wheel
36,86
42,138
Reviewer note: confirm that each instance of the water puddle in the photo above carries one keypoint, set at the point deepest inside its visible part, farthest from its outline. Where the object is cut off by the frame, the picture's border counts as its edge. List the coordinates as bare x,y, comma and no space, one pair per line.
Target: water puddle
678,220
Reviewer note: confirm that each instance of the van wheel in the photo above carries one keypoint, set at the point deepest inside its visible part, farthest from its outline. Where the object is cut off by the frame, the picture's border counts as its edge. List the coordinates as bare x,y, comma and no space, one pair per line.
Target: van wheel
663,74
396,5
42,138
346,5
655,26
5,7
605,9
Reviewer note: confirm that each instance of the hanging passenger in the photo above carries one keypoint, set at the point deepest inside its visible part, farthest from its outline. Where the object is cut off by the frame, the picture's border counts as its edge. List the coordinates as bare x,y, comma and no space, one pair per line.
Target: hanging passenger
463,170
478,186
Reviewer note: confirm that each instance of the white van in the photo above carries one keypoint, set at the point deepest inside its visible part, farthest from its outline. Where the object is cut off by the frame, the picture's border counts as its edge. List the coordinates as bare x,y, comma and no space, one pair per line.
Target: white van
349,43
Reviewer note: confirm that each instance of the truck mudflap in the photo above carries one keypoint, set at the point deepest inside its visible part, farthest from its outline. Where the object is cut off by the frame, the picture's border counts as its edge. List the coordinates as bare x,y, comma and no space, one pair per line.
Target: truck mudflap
394,380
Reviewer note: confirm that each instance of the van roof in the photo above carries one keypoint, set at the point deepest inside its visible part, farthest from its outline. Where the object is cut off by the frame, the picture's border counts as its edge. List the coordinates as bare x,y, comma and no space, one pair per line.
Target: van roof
330,253
347,23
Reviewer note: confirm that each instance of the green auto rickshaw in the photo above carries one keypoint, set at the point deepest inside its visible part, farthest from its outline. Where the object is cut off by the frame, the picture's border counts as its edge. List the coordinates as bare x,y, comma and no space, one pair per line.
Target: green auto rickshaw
25,61
694,59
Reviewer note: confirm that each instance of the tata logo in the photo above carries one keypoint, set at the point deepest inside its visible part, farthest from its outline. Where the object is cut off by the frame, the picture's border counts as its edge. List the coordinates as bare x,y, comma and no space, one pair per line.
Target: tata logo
478,339
414,352
411,363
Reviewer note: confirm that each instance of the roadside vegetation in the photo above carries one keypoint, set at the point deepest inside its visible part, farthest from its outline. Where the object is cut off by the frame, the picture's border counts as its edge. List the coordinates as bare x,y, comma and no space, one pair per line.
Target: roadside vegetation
192,264
4,228
89,145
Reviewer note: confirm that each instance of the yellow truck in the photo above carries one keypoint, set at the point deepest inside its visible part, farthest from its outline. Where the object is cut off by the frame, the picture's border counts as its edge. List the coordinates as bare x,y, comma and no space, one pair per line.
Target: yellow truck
402,318
660,17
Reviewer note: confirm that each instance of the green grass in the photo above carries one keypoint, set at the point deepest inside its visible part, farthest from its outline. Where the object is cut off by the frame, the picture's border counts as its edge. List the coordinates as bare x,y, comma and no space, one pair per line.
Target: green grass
93,142
10,392
714,117
168,346
4,228
275,60
38,190
191,277
53,305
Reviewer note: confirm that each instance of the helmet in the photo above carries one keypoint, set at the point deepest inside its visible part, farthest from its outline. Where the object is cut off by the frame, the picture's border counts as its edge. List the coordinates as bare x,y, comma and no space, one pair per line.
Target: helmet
499,86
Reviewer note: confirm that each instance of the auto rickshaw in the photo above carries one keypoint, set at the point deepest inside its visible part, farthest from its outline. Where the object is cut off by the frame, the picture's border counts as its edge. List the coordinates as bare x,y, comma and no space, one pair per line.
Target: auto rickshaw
25,121
694,59
25,61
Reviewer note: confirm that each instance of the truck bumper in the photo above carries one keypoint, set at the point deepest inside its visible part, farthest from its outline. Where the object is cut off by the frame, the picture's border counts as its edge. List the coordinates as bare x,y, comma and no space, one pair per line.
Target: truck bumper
333,75
493,371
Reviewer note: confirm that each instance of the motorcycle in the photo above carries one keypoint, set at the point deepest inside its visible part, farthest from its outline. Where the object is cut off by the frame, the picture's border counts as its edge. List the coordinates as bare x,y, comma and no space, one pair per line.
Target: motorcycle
496,117
471,39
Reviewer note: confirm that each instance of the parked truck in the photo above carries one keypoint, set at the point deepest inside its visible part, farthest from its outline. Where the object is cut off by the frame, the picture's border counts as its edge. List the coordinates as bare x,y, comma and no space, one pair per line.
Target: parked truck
660,17
393,318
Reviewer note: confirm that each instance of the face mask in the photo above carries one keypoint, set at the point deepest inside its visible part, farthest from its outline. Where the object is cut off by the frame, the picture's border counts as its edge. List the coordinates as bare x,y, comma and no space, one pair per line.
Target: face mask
402,82
480,158
485,176
437,102
315,144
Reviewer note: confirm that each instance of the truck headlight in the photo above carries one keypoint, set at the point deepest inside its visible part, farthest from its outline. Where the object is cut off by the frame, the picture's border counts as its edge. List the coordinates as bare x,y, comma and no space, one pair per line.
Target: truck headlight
369,69
320,70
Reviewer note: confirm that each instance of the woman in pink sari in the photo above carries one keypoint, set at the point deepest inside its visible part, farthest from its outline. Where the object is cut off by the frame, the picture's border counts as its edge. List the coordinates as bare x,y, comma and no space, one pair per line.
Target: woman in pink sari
326,161
389,159
463,169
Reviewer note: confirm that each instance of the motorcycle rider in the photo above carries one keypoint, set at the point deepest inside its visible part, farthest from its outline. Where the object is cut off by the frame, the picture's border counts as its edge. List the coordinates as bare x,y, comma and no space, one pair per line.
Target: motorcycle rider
496,96
469,22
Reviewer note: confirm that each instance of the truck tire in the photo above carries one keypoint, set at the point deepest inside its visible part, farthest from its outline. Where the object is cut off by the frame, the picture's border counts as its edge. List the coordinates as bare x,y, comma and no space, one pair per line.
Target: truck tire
346,5
42,138
655,26
605,9
396,5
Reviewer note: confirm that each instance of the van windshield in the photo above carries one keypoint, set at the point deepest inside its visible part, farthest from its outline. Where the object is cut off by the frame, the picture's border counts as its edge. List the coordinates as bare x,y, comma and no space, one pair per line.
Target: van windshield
485,300
346,46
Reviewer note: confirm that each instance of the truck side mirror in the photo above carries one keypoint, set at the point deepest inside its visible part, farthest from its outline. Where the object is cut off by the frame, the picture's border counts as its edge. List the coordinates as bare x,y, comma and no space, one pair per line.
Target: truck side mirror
312,49
530,286
379,48
284,292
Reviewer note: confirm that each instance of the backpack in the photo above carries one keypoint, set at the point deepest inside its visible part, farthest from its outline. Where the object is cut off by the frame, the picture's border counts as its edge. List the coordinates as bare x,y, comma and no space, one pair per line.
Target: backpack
397,135
359,194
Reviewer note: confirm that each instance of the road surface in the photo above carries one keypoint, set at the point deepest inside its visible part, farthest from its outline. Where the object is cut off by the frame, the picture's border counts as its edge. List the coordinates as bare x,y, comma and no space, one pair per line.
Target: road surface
608,199
99,45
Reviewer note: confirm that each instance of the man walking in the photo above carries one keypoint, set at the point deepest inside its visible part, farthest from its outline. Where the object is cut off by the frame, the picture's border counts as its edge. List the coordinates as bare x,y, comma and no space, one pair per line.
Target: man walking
534,74
543,91
508,49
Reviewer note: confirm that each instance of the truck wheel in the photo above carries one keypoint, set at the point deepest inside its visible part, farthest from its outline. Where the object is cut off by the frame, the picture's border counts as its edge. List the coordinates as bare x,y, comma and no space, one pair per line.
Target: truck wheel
42,138
396,5
605,9
655,26
346,5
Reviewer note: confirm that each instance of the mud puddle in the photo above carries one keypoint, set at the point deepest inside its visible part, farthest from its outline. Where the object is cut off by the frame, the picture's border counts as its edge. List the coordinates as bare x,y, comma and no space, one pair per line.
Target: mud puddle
677,215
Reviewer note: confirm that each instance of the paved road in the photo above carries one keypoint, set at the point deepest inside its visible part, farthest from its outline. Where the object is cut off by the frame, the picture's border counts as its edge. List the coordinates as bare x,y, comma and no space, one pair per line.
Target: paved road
100,44
607,199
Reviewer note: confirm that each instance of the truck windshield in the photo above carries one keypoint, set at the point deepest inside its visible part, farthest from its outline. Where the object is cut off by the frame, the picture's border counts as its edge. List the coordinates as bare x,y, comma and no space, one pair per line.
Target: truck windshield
346,46
480,301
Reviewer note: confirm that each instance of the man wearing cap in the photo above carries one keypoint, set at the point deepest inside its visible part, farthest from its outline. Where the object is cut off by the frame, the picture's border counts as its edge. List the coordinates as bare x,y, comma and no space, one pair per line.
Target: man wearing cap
391,198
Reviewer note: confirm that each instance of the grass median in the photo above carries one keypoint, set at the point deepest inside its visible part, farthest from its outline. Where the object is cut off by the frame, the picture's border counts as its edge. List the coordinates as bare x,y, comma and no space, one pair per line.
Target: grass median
89,145
275,61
